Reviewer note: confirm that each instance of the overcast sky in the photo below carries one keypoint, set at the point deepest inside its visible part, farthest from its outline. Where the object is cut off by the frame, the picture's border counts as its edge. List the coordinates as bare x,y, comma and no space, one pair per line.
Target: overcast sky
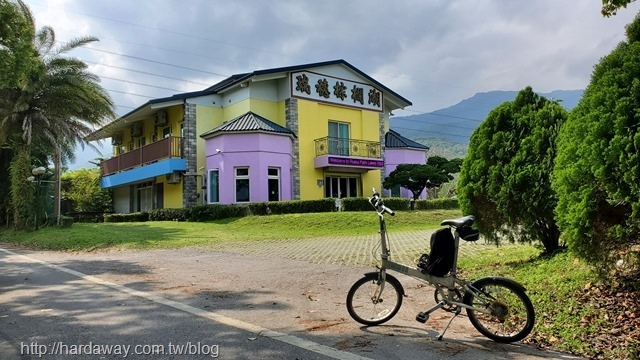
434,53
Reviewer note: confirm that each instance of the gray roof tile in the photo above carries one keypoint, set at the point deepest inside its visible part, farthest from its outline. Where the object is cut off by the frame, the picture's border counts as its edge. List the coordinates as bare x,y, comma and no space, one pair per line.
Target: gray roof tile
394,140
249,122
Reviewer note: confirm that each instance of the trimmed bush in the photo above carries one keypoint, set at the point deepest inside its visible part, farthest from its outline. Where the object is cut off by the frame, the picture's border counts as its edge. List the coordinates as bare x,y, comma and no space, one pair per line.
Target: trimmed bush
132,217
440,204
169,214
301,206
217,211
397,203
259,208
356,204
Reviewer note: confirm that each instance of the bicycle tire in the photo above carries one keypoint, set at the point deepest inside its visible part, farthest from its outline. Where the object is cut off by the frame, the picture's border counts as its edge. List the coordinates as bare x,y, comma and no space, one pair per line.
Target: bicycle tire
512,315
360,303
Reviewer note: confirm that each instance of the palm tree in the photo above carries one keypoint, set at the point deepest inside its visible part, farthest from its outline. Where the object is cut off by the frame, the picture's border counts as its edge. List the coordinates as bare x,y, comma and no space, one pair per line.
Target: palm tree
60,103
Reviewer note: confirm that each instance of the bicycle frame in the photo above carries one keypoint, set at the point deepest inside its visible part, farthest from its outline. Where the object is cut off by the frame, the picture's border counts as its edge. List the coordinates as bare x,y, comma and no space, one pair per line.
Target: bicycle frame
451,281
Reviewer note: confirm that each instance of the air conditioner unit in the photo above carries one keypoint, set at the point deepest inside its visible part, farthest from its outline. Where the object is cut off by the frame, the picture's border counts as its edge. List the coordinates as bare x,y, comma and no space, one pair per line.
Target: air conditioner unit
174,177
160,118
116,140
136,130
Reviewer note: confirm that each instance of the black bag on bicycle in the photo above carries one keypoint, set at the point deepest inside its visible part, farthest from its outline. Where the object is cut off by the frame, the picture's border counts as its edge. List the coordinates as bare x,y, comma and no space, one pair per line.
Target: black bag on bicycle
440,259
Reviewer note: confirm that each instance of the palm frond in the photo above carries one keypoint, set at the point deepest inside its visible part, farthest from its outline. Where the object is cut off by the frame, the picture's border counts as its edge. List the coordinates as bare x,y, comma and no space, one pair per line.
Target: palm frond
75,43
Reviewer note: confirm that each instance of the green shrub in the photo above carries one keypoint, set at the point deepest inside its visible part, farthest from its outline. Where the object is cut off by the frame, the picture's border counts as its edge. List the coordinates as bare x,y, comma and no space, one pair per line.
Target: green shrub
397,203
65,221
301,206
132,217
169,214
259,208
356,204
439,204
217,211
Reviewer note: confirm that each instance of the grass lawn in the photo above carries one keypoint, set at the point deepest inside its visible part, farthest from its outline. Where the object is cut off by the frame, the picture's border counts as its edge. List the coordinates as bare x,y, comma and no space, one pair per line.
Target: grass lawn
169,234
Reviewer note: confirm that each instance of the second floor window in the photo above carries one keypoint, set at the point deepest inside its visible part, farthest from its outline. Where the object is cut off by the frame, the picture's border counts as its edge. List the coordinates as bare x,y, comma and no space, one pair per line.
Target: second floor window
338,138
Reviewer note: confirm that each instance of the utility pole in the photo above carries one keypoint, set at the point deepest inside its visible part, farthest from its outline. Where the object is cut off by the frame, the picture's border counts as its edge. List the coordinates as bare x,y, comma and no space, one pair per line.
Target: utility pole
57,193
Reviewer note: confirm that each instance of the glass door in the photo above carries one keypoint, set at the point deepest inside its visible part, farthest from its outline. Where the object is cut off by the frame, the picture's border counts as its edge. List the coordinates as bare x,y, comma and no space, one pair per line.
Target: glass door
341,186
338,138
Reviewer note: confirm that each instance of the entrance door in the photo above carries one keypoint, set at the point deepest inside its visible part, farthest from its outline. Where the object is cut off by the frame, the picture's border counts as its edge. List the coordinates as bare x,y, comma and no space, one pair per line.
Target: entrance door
160,196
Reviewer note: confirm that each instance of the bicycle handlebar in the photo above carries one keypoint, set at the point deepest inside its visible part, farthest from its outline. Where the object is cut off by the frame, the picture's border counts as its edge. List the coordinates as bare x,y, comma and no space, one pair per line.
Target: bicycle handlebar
378,204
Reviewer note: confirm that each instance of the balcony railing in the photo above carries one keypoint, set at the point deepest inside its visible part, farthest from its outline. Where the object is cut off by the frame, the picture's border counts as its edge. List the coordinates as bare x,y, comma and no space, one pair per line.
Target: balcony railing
169,147
347,147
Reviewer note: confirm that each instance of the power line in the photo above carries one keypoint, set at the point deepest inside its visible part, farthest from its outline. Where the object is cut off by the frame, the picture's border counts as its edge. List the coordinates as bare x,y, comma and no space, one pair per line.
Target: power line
137,83
145,73
430,132
127,93
155,62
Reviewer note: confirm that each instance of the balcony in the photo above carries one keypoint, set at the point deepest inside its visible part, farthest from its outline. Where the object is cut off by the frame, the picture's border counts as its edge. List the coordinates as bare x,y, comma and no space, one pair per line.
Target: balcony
348,153
169,147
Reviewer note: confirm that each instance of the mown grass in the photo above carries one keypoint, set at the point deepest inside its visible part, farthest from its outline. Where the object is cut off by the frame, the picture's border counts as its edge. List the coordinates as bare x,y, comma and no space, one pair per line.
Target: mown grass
168,234
552,283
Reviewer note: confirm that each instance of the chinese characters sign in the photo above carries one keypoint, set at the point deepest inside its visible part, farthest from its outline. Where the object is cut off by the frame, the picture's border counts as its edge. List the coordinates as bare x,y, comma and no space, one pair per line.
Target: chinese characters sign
309,85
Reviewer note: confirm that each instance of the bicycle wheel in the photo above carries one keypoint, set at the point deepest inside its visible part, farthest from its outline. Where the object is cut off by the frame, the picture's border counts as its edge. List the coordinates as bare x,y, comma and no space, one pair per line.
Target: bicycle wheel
362,306
511,316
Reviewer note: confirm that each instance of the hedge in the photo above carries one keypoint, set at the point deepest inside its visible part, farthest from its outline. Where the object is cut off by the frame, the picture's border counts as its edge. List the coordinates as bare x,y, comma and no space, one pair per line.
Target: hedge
396,203
218,211
440,204
132,217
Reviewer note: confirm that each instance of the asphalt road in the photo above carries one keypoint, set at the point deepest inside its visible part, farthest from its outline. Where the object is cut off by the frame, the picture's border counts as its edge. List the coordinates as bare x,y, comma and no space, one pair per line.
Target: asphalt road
212,303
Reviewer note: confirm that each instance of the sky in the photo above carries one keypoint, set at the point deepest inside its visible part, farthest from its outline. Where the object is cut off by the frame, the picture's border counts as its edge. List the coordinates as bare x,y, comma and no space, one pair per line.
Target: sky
434,53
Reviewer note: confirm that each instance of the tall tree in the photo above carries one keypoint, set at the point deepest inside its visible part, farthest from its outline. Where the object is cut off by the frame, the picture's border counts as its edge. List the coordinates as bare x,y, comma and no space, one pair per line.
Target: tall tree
505,178
418,177
17,55
597,174
60,103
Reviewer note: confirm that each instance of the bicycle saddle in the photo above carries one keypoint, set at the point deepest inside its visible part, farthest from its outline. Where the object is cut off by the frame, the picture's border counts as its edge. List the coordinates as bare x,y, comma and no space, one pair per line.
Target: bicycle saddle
459,222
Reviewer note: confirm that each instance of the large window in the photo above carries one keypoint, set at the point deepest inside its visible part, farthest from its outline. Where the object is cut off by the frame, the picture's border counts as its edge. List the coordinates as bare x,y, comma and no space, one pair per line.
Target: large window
214,186
273,178
338,138
340,187
242,184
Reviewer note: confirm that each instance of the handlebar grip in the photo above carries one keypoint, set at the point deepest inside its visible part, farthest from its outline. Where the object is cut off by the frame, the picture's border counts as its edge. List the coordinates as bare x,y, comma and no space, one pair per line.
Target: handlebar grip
389,211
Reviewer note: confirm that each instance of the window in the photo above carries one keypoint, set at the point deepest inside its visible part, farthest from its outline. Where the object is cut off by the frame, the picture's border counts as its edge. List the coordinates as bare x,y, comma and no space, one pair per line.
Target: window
142,142
273,183
338,138
339,187
242,184
214,186
166,132
395,191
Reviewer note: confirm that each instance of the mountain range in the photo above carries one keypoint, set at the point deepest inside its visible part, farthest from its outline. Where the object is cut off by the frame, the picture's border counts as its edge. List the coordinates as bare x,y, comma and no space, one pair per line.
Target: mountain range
447,131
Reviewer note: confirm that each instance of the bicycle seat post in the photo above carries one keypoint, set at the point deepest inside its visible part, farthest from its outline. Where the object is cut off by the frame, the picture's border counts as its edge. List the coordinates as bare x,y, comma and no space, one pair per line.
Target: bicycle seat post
456,245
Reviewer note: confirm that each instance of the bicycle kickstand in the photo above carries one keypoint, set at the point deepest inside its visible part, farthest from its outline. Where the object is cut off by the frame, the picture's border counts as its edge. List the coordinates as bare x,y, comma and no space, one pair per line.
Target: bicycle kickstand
458,309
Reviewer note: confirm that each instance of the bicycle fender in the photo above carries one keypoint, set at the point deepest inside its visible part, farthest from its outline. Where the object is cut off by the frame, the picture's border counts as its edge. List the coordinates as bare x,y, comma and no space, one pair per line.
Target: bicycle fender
374,275
500,279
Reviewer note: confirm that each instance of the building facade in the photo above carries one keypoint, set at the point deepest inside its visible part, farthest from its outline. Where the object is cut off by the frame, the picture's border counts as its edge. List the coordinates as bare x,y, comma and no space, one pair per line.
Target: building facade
300,132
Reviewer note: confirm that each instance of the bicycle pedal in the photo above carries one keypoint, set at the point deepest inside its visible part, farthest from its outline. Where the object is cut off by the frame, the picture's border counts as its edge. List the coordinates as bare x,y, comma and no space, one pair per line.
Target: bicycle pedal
422,317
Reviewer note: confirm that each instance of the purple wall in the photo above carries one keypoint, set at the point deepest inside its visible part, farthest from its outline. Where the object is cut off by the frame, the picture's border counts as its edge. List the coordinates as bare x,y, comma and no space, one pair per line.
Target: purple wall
394,157
258,151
